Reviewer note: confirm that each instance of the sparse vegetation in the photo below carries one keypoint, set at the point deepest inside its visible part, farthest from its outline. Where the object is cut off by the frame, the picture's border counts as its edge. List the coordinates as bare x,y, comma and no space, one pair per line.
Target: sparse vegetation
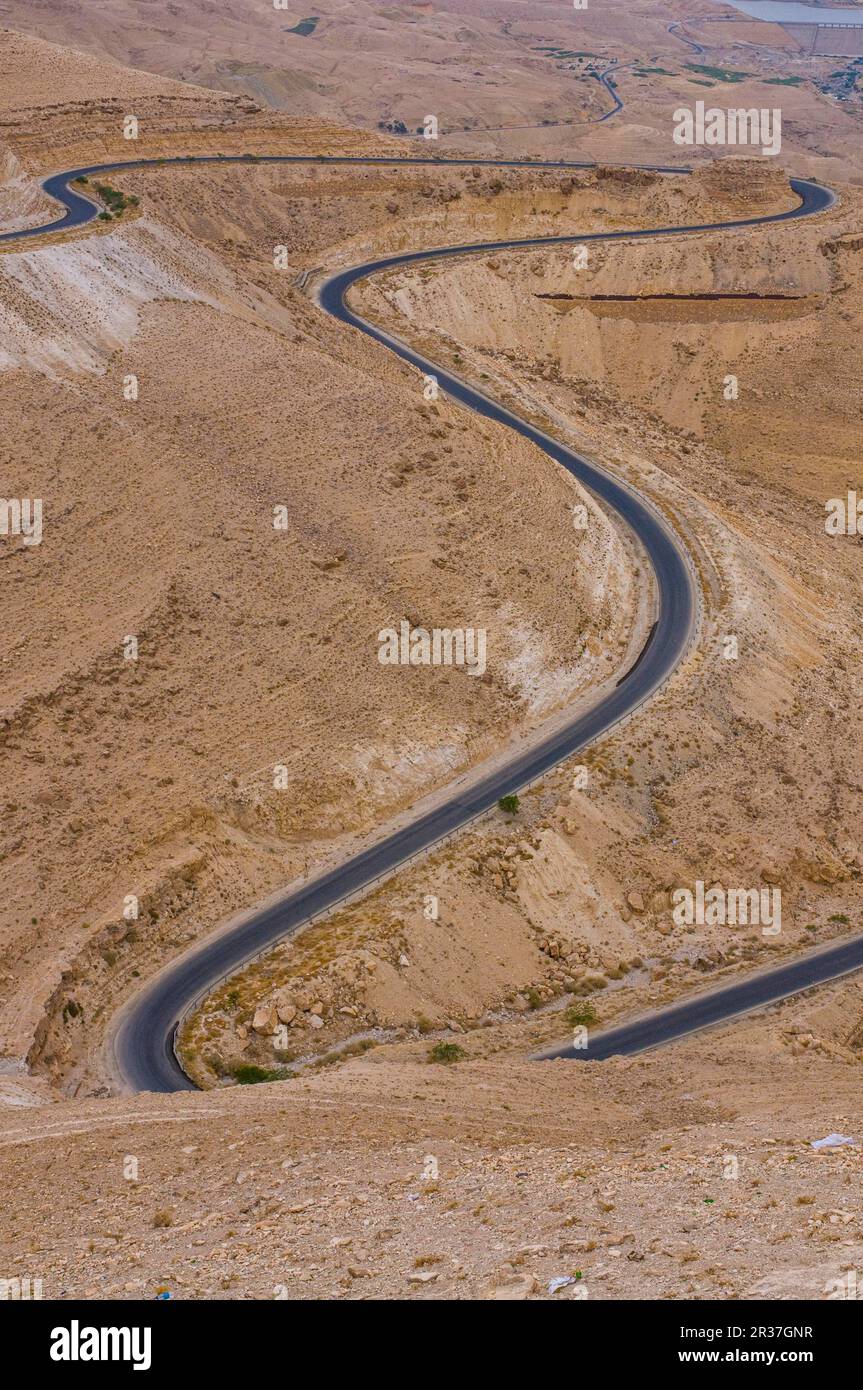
446,1053
580,1015
115,201
341,1054
719,74
248,1074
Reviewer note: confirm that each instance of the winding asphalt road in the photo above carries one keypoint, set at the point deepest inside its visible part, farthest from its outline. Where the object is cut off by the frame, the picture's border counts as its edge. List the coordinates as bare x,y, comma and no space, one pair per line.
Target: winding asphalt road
717,1005
604,79
80,209
143,1040
675,31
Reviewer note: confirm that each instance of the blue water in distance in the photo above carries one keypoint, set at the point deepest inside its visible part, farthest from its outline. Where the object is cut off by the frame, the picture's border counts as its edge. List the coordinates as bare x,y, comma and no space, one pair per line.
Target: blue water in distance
788,13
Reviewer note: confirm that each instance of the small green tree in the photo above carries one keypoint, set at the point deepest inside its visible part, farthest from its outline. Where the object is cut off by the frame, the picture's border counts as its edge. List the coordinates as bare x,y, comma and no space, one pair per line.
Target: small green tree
509,804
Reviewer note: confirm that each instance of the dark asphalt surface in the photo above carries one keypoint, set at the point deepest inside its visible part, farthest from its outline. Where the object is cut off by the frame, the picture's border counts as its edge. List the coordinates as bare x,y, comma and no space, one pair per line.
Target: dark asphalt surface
717,1006
605,80
79,209
143,1041
675,30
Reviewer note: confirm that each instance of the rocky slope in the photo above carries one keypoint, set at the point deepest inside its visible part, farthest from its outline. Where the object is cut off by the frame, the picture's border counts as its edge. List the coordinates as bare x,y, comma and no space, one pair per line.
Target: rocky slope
166,651
230,615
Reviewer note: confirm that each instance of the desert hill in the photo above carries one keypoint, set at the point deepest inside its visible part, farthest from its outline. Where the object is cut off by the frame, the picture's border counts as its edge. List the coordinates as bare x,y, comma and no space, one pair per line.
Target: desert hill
193,714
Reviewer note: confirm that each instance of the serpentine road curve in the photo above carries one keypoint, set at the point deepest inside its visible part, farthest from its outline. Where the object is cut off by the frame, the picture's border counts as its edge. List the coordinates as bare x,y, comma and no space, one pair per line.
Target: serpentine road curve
142,1040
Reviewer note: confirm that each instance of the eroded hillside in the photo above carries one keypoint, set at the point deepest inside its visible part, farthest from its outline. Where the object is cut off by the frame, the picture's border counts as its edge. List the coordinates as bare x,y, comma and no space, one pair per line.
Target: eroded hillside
719,782
189,614
193,714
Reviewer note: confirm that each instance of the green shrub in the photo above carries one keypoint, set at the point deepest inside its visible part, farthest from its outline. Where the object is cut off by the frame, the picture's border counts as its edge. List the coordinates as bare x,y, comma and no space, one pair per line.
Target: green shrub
509,804
446,1053
115,201
580,1014
248,1074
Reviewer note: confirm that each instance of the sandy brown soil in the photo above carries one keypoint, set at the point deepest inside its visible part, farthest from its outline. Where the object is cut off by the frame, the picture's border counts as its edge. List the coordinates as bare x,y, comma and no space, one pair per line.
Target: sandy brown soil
582,882
398,508
686,1174
500,78
386,1173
